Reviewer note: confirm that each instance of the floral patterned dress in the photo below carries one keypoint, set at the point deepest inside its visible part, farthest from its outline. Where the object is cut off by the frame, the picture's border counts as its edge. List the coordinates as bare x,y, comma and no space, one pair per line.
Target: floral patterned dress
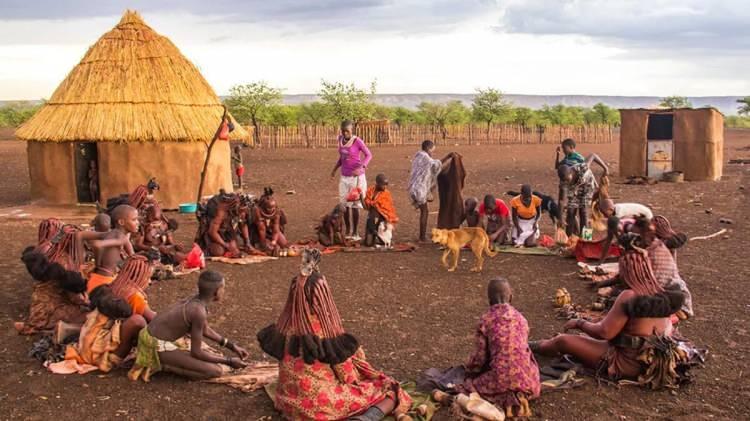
322,391
502,368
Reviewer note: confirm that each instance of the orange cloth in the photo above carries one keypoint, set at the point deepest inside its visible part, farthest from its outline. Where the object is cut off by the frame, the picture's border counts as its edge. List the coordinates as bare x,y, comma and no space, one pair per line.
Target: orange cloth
138,303
382,202
96,280
523,211
99,338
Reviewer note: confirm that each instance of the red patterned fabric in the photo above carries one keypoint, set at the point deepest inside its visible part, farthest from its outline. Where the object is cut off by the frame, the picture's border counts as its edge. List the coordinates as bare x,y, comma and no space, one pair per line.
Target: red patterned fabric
321,391
502,367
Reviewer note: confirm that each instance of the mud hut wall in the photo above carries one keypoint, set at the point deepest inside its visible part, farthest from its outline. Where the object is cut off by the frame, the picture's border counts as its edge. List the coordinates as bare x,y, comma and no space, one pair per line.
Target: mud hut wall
176,166
633,145
52,172
698,144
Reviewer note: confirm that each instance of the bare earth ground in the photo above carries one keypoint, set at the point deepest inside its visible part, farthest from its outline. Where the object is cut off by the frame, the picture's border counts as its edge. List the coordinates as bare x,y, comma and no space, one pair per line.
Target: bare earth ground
407,311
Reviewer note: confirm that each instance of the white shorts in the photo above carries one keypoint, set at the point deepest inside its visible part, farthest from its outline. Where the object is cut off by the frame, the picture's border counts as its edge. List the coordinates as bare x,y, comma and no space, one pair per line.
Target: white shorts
346,184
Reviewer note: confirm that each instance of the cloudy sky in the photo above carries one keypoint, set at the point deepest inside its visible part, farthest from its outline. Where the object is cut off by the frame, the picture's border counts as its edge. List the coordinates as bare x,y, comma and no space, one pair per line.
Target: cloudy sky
596,47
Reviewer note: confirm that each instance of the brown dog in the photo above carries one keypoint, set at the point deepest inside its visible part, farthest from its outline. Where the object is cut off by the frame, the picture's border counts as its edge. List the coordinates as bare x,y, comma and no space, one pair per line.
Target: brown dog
453,240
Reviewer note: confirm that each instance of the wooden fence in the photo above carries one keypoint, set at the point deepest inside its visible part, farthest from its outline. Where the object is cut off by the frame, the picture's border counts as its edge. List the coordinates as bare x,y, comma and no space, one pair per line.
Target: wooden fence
394,135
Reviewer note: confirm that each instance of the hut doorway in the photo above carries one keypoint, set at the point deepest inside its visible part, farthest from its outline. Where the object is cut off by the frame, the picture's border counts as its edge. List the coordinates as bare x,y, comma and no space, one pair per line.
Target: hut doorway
660,139
87,172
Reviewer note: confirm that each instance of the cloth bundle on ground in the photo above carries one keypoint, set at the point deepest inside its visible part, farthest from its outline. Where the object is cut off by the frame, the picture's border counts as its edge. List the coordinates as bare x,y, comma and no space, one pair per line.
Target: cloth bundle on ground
592,250
450,188
530,251
245,260
323,371
251,378
351,247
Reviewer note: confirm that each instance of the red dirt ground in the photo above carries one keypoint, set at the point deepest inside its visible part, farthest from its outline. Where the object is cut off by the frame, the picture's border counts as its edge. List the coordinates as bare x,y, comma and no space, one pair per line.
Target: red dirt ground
407,311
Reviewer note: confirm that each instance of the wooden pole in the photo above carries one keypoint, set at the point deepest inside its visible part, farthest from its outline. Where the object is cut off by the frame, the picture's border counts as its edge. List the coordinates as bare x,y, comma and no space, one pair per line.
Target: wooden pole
208,155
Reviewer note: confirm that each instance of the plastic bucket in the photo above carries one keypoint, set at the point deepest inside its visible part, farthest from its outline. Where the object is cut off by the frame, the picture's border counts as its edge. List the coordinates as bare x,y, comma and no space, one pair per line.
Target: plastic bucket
188,207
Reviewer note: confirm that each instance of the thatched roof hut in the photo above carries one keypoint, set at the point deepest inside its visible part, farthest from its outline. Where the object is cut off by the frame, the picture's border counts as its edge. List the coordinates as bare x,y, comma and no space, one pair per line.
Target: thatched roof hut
138,108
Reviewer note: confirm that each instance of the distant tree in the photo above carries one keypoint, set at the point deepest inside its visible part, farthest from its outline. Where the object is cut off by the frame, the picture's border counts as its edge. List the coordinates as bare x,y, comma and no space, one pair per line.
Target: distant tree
675,102
314,113
282,115
561,115
15,114
401,115
489,106
523,116
347,102
602,114
744,107
252,103
441,115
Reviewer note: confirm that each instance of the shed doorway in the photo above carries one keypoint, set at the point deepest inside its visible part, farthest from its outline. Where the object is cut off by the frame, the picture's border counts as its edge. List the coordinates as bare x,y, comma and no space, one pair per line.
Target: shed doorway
87,172
660,143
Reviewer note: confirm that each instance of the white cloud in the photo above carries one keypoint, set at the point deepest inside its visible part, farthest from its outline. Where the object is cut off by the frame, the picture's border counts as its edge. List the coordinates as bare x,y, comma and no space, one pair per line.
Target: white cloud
449,46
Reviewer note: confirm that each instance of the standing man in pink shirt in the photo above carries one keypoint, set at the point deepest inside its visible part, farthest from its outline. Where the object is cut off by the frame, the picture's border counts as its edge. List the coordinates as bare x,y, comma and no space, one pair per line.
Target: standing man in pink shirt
354,156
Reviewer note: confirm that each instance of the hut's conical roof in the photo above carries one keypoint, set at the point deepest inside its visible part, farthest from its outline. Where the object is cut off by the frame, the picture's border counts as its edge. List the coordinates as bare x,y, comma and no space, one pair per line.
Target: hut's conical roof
133,85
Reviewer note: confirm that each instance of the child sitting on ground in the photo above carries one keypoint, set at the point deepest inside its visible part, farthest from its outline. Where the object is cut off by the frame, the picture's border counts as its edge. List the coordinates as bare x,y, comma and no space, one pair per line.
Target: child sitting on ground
379,203
331,228
526,209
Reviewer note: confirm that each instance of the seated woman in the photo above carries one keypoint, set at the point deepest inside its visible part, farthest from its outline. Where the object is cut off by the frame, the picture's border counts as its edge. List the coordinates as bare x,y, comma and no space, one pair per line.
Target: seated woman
267,230
502,368
58,296
218,220
526,209
331,229
323,372
99,338
157,233
130,285
627,342
379,204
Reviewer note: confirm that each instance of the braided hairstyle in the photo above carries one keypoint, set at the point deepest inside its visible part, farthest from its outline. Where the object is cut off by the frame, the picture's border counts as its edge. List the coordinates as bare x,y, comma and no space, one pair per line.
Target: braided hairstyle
137,197
310,324
42,270
133,278
66,249
48,229
672,239
636,271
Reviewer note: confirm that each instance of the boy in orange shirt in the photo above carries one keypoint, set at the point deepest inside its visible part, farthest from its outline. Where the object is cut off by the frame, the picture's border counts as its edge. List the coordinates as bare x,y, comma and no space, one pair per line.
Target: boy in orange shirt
526,209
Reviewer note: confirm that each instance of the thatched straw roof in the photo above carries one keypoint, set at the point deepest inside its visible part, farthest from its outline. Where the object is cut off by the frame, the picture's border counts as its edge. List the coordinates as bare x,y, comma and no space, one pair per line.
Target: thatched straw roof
133,85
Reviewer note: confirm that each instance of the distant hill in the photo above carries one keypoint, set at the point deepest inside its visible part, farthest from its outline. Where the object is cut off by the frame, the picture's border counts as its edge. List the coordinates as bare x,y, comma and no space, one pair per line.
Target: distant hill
725,104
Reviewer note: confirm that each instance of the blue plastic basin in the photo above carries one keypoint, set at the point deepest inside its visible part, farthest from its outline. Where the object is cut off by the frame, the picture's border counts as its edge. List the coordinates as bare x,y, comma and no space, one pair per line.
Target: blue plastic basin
188,207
